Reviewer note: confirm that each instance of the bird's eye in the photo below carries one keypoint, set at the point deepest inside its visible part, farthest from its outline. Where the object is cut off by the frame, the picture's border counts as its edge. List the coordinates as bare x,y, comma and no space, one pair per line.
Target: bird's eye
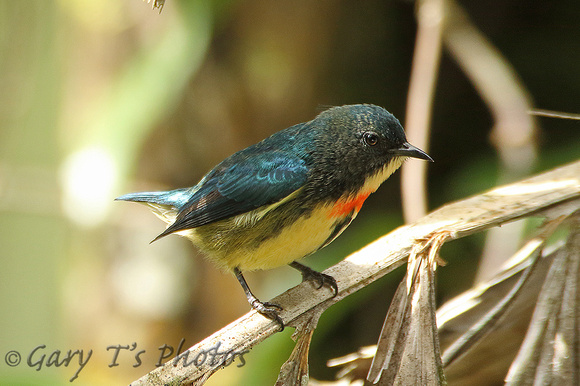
370,138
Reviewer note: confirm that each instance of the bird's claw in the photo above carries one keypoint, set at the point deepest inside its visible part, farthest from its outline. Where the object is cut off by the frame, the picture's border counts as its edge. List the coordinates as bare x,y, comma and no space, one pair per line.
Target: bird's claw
269,310
321,279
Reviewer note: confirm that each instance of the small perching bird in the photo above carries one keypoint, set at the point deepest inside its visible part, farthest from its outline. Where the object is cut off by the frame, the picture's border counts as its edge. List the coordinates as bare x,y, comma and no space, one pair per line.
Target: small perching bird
287,196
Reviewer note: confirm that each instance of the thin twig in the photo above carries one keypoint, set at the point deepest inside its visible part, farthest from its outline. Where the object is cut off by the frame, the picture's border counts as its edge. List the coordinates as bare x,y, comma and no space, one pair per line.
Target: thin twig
430,17
554,114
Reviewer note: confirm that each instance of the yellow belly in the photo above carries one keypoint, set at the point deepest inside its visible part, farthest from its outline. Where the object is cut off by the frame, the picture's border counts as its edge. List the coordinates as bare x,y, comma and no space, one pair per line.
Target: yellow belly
276,235
295,241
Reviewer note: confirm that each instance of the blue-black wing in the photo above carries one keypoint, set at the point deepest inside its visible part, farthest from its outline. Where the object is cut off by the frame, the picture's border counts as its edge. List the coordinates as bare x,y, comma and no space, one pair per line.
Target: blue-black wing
239,186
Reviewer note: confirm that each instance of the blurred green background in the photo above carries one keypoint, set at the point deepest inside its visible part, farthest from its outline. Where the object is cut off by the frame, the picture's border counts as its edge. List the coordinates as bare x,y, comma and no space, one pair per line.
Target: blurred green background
104,97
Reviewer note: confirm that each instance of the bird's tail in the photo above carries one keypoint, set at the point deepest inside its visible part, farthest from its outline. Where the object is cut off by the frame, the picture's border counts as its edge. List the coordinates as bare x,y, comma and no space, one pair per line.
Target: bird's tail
175,198
165,205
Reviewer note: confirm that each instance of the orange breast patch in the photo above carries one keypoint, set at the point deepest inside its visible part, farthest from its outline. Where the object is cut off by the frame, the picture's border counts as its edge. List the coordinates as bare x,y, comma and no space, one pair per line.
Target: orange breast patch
344,207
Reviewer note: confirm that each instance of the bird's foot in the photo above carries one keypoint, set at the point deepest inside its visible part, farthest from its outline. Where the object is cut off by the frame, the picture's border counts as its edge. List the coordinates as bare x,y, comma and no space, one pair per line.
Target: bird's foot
319,278
269,310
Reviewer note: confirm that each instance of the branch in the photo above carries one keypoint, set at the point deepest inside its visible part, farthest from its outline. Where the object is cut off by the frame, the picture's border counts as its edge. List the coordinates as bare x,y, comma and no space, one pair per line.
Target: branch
430,21
514,131
380,257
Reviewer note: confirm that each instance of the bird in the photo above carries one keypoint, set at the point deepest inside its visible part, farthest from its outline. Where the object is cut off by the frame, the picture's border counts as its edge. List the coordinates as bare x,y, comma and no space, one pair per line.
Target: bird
284,198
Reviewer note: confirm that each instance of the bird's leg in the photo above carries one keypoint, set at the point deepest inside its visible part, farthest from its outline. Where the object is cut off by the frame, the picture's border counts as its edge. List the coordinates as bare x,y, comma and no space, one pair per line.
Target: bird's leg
320,278
269,310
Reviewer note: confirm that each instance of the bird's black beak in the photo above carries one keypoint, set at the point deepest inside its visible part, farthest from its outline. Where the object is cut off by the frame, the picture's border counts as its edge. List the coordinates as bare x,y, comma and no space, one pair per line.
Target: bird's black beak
408,150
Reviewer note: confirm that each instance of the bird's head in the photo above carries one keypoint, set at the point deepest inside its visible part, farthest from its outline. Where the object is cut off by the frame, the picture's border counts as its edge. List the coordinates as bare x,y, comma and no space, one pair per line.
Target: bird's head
358,142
